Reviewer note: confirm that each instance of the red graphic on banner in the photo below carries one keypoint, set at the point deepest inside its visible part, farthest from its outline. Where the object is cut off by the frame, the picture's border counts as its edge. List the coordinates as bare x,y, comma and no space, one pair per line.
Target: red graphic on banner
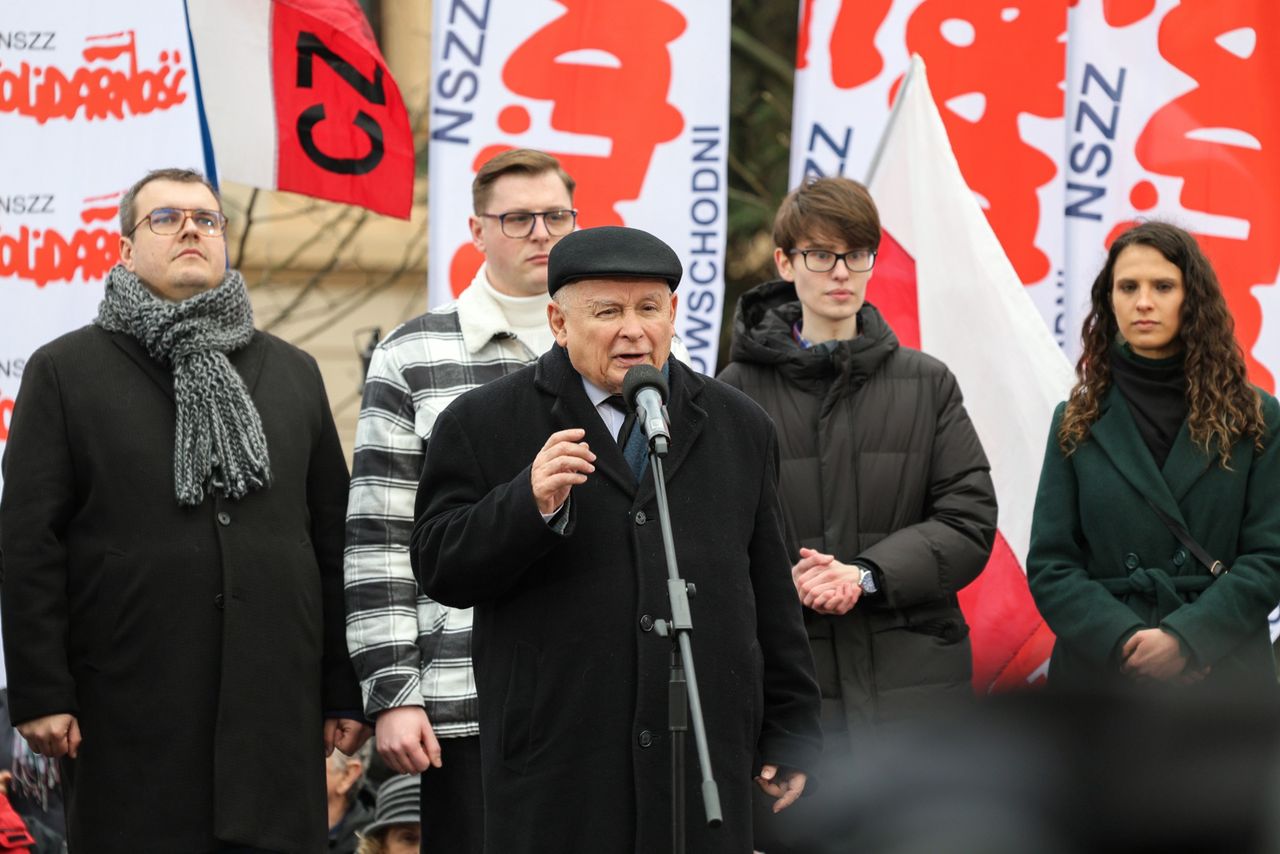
1009,60
44,255
342,127
97,88
1236,171
6,415
854,57
616,89
805,35
1122,13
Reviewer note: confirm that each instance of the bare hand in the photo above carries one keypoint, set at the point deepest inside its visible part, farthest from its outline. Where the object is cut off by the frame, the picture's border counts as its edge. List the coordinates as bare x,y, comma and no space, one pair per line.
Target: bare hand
406,741
825,584
785,784
1153,654
563,463
53,735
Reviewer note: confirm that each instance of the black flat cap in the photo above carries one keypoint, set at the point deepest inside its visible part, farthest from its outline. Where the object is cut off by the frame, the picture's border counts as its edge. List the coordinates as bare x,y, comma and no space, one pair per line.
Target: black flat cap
610,251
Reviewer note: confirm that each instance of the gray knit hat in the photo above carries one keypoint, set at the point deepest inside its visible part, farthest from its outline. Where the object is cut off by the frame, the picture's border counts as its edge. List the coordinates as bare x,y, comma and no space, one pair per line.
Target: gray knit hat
399,802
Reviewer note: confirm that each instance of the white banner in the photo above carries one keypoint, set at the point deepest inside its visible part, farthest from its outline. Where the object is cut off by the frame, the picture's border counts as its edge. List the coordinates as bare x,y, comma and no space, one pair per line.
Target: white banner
92,95
996,71
1069,122
631,96
1169,114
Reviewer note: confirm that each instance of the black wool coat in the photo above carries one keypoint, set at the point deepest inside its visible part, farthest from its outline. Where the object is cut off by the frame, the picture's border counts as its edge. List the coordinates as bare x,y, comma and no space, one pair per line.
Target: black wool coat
198,646
881,464
572,678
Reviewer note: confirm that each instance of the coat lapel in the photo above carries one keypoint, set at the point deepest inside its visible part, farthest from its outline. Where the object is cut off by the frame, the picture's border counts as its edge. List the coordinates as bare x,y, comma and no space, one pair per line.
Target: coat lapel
1185,465
158,373
248,361
687,422
1118,437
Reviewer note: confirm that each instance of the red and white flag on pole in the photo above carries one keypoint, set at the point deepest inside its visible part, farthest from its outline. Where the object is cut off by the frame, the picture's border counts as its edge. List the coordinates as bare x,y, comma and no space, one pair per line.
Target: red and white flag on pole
946,286
298,98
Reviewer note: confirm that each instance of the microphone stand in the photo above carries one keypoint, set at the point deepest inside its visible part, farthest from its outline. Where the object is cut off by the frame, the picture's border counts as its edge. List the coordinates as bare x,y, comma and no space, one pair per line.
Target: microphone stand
682,697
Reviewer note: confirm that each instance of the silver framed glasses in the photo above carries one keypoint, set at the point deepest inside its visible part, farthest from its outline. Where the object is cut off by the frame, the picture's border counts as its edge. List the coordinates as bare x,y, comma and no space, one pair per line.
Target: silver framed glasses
165,221
824,260
519,224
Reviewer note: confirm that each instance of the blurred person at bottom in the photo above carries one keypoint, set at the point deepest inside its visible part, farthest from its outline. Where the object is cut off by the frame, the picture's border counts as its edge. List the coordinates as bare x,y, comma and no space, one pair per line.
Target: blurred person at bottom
885,488
350,797
1155,543
537,508
397,824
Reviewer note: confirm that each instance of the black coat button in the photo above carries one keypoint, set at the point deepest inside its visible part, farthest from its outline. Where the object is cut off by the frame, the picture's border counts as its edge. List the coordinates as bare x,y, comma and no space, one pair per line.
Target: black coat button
1131,561
646,623
645,738
224,518
1179,557
218,601
641,518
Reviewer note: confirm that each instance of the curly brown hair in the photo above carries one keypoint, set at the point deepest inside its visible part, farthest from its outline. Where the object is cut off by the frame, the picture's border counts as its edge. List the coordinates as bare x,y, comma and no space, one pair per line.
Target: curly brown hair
1223,406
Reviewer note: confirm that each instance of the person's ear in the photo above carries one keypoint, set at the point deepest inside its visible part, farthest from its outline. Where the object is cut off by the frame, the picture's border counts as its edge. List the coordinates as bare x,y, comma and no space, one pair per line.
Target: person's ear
782,261
557,321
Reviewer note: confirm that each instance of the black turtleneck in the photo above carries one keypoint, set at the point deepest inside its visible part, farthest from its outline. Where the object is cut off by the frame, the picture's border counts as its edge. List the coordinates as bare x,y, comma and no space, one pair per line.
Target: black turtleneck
1156,391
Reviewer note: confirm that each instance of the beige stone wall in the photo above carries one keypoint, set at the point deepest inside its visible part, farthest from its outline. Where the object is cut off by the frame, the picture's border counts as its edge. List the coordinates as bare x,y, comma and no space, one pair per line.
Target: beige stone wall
323,275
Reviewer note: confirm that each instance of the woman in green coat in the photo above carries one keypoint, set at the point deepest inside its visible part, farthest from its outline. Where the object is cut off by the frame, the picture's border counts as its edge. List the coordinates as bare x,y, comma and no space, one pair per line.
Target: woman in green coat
1155,545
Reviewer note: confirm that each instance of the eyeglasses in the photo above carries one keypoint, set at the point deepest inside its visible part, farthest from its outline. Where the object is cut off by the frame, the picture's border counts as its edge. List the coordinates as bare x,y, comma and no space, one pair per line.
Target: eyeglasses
164,221
519,224
824,260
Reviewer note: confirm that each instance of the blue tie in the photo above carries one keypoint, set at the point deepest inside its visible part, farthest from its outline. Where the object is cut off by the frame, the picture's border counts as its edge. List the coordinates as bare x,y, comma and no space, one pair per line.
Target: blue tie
634,447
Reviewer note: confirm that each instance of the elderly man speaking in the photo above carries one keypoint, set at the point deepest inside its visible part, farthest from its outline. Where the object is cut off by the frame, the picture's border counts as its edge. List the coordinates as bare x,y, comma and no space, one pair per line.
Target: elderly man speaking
536,518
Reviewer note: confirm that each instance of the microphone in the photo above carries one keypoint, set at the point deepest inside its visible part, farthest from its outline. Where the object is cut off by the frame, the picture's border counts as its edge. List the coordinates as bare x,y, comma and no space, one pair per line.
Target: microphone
644,388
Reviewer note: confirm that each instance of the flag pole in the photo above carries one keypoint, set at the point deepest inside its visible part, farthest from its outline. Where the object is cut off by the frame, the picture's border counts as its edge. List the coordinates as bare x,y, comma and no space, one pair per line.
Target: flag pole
916,61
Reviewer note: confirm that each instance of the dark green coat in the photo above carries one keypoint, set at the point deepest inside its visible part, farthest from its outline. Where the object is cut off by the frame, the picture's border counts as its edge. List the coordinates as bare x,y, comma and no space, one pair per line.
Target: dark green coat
1103,565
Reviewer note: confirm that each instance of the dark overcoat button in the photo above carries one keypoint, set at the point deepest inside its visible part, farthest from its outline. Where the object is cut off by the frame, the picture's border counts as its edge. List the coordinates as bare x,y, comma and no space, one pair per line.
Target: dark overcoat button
641,518
646,623
218,601
645,738
224,518
1179,557
1131,561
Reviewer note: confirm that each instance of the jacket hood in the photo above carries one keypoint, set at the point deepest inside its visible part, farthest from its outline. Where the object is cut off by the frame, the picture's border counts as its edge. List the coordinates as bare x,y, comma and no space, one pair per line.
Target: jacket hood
762,327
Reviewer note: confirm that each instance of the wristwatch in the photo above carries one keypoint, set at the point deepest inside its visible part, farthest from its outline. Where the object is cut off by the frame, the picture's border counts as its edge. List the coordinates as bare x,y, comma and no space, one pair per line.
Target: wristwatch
867,579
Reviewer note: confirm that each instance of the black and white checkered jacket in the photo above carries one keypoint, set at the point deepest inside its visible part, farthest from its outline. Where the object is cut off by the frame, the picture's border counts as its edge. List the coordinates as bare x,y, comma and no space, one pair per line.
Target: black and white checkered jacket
407,649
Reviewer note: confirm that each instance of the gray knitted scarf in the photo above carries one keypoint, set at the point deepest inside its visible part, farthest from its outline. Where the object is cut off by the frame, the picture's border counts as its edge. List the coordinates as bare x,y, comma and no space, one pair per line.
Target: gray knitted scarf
218,441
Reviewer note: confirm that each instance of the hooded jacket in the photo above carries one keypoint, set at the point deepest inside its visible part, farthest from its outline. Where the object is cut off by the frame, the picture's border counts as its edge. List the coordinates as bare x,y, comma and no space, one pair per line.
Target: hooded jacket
880,465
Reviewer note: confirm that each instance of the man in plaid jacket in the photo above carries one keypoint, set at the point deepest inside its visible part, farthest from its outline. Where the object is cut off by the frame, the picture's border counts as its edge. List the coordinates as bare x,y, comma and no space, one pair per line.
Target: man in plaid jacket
413,655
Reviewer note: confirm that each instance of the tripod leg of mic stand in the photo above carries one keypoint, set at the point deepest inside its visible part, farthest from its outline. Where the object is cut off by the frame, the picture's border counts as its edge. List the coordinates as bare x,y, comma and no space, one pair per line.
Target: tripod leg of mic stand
678,710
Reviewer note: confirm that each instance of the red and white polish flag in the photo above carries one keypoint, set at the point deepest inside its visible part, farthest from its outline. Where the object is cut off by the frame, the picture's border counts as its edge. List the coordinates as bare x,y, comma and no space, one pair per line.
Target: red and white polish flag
946,286
298,98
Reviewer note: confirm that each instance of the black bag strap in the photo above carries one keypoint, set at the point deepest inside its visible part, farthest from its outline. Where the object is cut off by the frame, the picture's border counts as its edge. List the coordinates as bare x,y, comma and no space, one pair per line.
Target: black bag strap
1215,567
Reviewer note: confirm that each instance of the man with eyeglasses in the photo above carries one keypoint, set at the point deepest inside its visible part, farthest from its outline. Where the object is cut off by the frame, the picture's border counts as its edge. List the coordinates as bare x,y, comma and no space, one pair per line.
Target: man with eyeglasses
413,655
171,530
885,489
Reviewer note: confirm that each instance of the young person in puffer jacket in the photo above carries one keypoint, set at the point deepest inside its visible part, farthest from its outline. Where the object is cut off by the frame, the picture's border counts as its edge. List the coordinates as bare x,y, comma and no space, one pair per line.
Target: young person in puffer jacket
886,490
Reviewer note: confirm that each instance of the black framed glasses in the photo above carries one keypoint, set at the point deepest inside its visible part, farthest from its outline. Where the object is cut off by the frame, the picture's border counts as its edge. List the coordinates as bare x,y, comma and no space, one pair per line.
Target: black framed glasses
165,221
519,224
824,260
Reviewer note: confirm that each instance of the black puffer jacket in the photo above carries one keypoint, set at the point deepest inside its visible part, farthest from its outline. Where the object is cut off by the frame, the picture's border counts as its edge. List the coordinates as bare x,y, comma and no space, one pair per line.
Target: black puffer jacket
880,463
